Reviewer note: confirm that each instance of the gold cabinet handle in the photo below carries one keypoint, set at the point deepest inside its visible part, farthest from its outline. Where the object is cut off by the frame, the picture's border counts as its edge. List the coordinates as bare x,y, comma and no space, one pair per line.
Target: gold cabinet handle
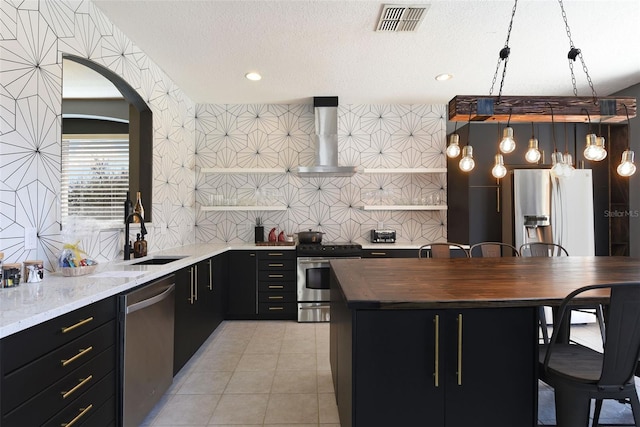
276,297
276,265
459,373
379,253
195,283
276,276
81,353
436,363
191,285
82,382
83,412
275,308
276,287
275,254
77,325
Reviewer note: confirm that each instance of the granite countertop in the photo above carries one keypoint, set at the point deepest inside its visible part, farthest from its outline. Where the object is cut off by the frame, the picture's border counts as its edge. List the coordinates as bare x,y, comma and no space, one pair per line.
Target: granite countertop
32,303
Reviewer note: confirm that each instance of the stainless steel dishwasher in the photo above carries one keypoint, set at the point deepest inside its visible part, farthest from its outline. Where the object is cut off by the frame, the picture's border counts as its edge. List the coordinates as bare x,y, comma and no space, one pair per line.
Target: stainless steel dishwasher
147,315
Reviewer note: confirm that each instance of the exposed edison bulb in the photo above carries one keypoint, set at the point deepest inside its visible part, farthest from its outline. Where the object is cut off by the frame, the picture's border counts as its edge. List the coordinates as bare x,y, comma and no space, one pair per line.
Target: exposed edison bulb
568,165
508,144
453,149
557,162
533,153
627,166
466,162
601,152
590,150
499,171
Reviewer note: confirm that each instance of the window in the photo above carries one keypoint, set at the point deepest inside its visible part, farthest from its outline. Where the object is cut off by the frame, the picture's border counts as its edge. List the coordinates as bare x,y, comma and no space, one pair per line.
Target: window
95,176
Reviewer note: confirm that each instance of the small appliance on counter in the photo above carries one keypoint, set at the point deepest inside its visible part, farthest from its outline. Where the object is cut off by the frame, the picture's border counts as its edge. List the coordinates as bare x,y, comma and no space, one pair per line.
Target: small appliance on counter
383,236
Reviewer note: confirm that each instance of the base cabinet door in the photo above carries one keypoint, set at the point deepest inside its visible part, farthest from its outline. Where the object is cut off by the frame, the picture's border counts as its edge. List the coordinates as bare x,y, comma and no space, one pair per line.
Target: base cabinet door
186,331
437,368
242,287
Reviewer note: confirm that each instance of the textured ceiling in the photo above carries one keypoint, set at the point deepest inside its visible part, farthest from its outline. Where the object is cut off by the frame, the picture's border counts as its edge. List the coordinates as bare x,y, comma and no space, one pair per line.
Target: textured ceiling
313,48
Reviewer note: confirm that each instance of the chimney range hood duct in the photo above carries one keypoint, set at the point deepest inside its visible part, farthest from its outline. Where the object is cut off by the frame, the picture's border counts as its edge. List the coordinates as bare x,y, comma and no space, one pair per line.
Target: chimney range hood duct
326,139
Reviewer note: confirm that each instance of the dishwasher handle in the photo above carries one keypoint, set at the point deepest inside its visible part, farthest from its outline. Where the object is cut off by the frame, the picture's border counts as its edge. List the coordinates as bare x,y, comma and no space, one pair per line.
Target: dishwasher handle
150,301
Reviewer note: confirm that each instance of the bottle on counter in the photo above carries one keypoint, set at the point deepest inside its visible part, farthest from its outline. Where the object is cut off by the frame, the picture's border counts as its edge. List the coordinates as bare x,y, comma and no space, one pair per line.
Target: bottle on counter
128,206
138,208
137,247
143,247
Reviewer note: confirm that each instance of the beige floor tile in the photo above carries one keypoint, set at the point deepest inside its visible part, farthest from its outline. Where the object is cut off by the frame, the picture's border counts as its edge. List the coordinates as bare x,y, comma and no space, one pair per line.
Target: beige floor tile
183,410
217,361
292,408
250,382
299,345
324,363
257,362
205,383
328,408
264,345
231,344
297,362
300,330
325,382
298,382
240,409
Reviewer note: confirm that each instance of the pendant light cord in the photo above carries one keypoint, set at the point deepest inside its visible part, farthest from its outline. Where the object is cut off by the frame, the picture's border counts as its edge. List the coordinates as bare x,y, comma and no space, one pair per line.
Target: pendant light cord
504,56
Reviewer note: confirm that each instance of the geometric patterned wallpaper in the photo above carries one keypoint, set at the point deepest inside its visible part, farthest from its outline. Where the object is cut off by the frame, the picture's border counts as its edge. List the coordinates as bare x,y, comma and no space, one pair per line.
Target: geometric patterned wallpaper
369,136
34,35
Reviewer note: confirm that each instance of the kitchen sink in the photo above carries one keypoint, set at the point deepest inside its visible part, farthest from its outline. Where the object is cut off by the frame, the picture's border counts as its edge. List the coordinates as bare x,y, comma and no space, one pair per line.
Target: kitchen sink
158,260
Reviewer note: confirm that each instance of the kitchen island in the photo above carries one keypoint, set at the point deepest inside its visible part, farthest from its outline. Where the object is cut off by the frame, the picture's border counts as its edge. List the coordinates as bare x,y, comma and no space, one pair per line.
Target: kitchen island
448,342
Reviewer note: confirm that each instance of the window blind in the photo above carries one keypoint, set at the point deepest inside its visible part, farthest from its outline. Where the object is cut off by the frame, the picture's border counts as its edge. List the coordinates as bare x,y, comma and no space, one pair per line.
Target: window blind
95,176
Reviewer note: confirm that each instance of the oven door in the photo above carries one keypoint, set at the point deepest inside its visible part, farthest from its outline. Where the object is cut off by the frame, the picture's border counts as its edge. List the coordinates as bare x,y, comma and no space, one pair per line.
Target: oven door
313,278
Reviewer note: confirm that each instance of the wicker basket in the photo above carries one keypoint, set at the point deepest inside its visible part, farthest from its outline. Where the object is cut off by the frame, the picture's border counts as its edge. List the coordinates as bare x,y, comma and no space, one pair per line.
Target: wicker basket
78,271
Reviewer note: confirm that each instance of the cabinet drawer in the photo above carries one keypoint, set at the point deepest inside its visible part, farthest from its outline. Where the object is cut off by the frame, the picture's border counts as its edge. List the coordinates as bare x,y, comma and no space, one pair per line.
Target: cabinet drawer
277,264
285,310
85,407
274,255
285,275
29,380
63,393
389,253
277,286
23,347
276,297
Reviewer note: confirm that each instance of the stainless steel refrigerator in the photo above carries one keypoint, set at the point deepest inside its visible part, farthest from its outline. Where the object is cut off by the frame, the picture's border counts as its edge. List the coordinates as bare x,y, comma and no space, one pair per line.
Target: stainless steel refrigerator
538,207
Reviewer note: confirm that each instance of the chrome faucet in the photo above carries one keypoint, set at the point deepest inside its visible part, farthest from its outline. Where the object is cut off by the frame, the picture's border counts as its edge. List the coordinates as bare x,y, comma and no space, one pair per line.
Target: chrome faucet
127,243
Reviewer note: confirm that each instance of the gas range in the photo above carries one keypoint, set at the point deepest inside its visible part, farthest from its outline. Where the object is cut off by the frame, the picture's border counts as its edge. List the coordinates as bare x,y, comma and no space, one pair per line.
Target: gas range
329,249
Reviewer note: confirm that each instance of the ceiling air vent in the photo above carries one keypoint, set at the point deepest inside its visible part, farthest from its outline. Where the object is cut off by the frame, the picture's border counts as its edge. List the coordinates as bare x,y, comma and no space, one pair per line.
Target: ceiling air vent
397,18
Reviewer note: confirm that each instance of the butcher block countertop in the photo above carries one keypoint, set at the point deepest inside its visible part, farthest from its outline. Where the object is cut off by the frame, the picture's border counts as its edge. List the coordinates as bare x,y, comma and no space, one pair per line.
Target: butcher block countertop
405,283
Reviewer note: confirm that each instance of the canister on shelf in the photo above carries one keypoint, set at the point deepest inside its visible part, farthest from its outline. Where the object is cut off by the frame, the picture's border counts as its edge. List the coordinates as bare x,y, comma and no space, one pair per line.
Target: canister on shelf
11,275
33,271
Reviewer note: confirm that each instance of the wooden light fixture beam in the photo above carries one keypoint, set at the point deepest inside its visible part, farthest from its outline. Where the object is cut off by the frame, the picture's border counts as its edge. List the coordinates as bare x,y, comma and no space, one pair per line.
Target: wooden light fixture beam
536,109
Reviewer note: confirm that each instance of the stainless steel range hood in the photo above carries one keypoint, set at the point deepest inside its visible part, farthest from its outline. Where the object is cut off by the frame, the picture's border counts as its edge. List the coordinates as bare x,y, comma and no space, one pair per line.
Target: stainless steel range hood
326,140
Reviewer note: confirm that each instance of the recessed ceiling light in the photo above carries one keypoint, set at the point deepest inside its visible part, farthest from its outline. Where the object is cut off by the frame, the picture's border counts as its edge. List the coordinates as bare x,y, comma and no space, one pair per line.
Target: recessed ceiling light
253,76
444,77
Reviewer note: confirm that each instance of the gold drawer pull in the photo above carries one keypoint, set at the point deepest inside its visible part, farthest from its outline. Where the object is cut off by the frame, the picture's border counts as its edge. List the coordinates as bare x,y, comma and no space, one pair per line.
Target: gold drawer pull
379,253
276,265
82,413
276,276
81,353
278,297
82,382
77,325
276,287
459,371
275,254
275,308
436,367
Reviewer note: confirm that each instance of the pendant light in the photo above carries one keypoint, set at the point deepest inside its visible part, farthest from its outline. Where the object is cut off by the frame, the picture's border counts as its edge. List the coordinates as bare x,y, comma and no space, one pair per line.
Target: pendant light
466,162
557,159
601,152
627,166
499,171
453,149
507,144
590,151
533,152
568,159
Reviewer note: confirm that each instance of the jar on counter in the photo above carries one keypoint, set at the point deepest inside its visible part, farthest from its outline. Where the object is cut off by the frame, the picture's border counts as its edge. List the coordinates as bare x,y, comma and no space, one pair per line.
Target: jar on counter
11,275
33,271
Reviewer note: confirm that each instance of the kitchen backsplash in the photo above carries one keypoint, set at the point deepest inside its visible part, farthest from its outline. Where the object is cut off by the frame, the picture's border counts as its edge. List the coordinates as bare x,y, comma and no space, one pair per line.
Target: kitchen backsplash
187,137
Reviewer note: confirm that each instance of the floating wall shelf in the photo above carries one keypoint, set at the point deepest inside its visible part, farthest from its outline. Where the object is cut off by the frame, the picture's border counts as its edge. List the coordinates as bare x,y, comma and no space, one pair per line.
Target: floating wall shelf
405,170
404,208
243,208
244,170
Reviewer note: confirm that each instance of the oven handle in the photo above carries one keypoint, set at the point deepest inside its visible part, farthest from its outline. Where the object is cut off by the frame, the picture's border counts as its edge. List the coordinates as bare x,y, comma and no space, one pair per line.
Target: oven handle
319,260
315,307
